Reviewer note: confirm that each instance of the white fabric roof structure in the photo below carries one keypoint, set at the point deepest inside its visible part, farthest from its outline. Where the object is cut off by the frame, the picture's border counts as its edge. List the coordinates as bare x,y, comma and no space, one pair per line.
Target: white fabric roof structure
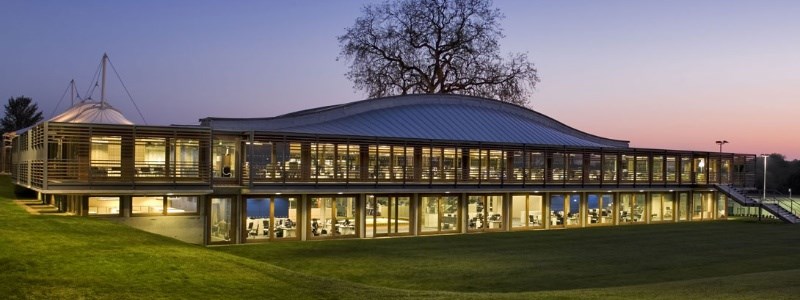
89,111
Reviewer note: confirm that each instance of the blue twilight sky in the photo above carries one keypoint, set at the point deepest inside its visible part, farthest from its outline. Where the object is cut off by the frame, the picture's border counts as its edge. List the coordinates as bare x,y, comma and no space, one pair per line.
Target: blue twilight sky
662,74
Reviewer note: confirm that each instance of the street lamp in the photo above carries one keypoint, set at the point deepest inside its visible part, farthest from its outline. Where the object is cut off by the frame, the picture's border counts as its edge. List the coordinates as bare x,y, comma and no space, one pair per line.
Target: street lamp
761,203
720,143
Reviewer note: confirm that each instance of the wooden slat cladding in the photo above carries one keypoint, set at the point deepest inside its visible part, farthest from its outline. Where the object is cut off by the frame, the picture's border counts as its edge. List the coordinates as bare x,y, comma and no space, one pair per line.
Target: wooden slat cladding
115,160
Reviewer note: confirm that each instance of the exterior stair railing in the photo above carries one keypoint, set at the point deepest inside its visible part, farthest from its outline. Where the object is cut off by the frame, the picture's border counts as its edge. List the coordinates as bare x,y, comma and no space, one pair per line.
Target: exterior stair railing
774,205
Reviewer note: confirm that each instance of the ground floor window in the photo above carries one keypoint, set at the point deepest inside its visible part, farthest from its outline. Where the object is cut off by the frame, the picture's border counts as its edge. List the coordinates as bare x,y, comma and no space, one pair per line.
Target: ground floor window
565,210
271,218
526,211
600,209
387,215
439,214
333,217
163,205
485,212
104,206
220,220
721,206
703,206
683,206
632,208
661,207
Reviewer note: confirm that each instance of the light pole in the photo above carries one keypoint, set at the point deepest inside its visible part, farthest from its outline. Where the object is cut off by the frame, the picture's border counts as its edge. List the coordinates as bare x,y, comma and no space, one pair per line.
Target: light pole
720,143
761,203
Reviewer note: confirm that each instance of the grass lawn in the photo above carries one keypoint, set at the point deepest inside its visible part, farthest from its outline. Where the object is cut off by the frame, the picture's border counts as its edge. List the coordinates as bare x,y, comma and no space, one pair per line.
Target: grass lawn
63,257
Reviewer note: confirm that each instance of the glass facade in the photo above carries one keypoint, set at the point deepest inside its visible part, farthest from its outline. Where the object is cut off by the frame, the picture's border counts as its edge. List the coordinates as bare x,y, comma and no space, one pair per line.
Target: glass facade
484,212
104,206
224,158
220,220
387,215
600,209
439,214
333,217
526,211
271,218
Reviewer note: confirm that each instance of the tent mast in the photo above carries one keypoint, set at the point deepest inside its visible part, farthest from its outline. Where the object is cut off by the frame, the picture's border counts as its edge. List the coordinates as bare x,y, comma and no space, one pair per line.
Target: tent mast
103,86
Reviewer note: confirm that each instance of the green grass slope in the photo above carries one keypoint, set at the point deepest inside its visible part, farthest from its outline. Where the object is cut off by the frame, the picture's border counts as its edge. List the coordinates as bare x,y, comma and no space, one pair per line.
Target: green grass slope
62,257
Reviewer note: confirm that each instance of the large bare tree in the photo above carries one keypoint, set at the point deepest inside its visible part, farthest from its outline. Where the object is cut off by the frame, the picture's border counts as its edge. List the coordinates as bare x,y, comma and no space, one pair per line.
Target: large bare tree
434,46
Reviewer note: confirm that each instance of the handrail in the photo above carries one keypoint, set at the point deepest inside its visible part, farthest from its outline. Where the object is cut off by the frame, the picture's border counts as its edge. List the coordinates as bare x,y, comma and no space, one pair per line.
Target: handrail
780,198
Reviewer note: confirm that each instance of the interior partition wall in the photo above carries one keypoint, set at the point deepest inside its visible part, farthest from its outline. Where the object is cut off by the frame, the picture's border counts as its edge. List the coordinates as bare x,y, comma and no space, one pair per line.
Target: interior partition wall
439,214
387,215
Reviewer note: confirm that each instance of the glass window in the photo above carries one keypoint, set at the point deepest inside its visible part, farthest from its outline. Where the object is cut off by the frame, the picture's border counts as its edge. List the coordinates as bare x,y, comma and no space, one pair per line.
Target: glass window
600,209
609,168
224,163
639,206
103,205
485,212
150,156
721,205
333,217
387,215
323,161
658,168
575,172
285,218
526,211
672,169
683,208
628,164
439,214
669,207
519,172
700,170
403,163
686,170
348,161
595,168
656,207
564,210
537,166
220,220
186,158
106,156
147,205
182,204
626,208
642,169
557,167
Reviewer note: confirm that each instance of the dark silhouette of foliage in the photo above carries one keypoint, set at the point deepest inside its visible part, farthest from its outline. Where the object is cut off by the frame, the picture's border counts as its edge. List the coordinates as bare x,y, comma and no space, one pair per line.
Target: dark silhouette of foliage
434,46
21,112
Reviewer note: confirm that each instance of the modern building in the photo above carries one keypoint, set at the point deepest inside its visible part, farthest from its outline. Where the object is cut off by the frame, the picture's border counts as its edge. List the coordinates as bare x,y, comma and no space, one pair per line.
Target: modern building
396,166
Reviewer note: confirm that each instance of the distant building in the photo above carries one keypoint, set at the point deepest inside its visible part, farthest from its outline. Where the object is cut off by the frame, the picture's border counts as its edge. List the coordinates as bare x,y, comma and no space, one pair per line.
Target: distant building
406,165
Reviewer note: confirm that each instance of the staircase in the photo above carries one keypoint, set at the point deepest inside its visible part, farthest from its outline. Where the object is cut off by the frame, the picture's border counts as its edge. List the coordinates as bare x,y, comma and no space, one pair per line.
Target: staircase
773,208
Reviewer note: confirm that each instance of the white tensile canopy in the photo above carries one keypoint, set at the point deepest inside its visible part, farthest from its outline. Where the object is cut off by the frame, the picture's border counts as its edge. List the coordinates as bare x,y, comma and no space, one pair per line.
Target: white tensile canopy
89,111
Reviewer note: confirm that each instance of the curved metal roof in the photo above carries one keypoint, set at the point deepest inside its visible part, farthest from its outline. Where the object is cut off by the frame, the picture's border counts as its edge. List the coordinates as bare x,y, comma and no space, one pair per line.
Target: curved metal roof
89,111
425,116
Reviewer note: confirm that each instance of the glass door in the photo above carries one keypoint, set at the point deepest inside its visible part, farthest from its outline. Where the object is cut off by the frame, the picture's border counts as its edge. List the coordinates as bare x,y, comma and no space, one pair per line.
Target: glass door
565,210
222,228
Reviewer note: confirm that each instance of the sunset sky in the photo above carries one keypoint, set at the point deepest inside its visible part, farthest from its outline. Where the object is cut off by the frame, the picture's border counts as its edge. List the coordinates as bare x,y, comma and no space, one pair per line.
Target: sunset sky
662,74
